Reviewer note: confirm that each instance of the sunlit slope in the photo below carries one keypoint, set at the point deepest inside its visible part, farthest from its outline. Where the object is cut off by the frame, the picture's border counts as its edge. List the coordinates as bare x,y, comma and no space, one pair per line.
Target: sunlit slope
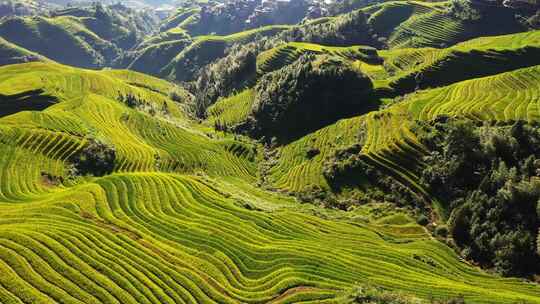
391,146
503,97
228,112
153,135
406,69
405,24
162,238
295,171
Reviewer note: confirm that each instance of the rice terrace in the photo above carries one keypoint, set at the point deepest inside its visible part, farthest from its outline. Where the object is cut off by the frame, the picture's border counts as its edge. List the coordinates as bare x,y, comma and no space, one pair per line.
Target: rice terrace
270,151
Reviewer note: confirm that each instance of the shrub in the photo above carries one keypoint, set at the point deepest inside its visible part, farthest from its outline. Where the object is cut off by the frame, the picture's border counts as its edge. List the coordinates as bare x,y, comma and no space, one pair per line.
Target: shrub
441,231
464,10
344,30
96,158
422,220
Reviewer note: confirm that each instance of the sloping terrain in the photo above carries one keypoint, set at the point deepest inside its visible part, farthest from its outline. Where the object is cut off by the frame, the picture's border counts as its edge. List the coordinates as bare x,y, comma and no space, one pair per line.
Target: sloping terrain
63,39
90,37
288,164
152,231
11,53
507,93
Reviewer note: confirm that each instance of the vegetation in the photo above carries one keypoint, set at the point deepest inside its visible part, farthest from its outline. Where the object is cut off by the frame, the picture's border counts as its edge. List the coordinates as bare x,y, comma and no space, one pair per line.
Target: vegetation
11,54
487,176
89,37
307,95
368,152
156,211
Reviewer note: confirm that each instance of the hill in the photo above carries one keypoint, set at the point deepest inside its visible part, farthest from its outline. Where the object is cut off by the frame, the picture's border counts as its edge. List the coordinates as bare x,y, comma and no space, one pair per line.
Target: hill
90,37
388,25
374,152
151,230
401,71
420,24
387,154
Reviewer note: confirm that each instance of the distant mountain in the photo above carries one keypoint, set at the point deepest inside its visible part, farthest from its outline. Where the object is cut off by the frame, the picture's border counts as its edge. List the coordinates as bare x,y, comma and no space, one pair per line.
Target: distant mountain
89,37
23,8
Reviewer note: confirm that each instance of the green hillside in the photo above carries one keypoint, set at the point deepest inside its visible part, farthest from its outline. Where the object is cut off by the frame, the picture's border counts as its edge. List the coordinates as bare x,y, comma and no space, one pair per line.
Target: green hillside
63,39
373,152
423,24
158,229
178,50
506,96
90,37
206,49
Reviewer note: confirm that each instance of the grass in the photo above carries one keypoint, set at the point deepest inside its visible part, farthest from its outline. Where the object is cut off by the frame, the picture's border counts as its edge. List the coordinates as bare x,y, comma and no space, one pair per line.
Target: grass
120,239
181,220
231,111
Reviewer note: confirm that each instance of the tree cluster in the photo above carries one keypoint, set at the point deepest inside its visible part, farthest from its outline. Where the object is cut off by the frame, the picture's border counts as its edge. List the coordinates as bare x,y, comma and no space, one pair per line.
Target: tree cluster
312,92
464,10
488,177
225,76
345,30
96,158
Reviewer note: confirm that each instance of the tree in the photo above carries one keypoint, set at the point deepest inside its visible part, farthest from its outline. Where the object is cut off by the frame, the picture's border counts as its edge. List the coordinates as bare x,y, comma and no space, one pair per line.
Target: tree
308,94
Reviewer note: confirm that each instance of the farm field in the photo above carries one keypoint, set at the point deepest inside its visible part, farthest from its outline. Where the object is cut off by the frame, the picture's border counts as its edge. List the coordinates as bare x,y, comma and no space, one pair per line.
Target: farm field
158,233
370,152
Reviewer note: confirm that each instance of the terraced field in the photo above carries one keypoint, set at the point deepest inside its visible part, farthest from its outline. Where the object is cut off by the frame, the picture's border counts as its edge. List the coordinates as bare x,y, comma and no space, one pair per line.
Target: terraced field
389,142
179,220
415,24
503,97
119,239
88,106
295,171
429,67
285,54
231,111
390,145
